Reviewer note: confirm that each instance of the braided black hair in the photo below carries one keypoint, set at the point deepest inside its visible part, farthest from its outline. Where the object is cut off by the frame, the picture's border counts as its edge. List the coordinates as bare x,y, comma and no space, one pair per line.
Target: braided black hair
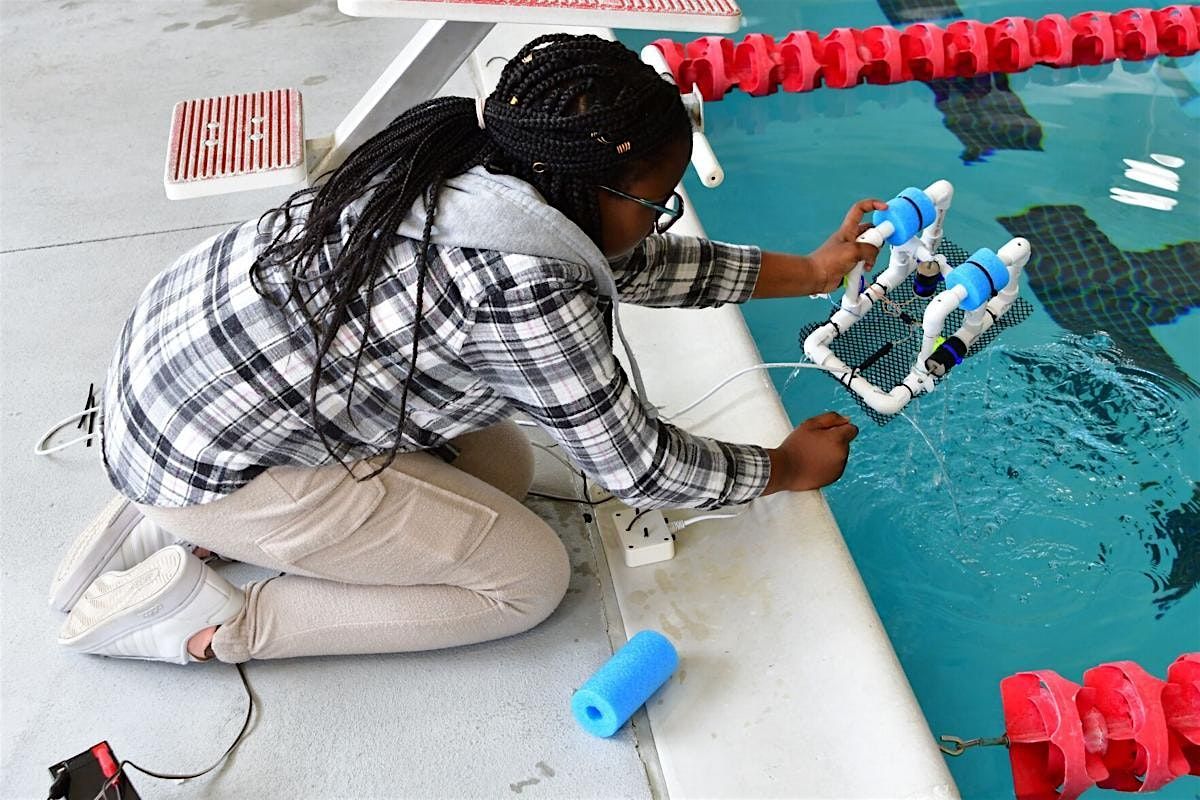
569,113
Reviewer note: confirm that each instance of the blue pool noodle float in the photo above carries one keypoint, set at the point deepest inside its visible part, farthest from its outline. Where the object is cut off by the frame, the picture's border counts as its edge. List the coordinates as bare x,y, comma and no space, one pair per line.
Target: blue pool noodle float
970,274
910,212
624,683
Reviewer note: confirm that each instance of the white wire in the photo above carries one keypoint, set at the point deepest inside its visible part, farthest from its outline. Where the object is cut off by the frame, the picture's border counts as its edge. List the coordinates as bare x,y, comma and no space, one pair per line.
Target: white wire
740,372
38,448
113,781
839,307
680,524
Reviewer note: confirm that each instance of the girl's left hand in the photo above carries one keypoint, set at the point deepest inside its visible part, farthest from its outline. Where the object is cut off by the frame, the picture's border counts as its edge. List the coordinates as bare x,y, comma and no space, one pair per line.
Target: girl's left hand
837,256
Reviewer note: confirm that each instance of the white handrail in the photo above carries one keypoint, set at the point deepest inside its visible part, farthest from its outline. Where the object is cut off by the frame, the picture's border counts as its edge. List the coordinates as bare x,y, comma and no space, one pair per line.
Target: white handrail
703,157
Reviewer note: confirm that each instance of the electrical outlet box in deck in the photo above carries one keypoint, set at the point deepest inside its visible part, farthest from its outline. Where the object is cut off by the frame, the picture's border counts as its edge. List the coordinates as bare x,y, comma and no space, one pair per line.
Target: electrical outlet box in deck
644,537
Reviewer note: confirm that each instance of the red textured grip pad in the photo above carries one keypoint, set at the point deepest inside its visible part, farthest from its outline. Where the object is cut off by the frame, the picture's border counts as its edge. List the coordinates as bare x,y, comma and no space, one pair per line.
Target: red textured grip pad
235,135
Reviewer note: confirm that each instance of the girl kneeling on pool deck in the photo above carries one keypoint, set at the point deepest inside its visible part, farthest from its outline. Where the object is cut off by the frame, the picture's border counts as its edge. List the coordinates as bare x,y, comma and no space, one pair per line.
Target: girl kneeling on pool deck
327,391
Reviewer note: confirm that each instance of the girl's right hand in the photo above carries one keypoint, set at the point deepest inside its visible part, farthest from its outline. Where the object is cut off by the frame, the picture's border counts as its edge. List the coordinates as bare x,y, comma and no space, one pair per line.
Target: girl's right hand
813,455
833,260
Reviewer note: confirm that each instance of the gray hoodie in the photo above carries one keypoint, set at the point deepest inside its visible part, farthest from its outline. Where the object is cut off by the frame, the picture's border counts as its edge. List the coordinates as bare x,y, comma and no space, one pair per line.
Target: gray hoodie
485,211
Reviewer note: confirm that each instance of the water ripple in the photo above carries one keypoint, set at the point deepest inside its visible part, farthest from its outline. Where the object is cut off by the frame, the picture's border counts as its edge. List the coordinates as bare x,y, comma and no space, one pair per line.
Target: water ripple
1036,491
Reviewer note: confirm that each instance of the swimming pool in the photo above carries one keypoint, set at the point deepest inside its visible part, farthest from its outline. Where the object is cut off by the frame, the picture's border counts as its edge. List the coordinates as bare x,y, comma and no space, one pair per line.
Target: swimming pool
1041,510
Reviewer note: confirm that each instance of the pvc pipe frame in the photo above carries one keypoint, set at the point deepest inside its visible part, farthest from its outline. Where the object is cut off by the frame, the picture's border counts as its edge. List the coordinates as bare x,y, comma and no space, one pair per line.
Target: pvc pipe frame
703,158
901,264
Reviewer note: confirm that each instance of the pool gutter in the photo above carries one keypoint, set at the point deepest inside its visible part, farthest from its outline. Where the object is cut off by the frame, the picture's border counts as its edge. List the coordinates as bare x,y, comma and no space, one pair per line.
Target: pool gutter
788,685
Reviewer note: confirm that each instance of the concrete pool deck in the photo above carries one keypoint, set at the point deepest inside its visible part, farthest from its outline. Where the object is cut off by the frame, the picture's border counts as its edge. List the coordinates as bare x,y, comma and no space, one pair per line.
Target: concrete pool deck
786,678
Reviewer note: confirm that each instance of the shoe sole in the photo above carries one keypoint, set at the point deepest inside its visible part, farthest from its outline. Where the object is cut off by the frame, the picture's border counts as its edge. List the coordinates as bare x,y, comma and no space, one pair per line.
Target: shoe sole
131,600
91,550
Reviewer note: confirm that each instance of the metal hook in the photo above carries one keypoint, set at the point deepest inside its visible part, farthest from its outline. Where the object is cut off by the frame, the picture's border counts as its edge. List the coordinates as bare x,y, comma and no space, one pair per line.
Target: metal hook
957,746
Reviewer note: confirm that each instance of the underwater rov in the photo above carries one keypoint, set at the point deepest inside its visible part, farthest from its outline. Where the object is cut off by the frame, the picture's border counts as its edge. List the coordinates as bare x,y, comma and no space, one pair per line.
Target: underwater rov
980,293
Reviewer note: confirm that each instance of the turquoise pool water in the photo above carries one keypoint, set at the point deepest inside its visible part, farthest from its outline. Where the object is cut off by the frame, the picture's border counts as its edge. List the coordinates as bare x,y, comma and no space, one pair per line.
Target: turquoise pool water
1046,513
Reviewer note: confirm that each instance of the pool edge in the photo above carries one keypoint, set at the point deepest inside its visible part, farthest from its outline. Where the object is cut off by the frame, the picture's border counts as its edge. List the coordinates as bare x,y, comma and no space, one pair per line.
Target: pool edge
726,728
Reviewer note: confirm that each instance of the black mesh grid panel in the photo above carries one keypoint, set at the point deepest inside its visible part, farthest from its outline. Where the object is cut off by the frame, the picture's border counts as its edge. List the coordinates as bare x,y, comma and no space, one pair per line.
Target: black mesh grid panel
1087,284
899,322
902,12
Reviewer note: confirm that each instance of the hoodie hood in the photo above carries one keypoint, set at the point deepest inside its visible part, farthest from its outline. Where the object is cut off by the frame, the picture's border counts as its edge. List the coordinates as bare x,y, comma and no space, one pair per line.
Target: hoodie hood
485,211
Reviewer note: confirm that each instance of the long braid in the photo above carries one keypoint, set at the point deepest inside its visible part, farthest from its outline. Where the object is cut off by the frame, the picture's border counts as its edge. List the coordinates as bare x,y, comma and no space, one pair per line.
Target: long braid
567,114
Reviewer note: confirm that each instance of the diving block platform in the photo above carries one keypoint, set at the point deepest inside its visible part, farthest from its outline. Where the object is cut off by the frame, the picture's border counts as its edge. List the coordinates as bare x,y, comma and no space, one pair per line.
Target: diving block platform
218,146
710,16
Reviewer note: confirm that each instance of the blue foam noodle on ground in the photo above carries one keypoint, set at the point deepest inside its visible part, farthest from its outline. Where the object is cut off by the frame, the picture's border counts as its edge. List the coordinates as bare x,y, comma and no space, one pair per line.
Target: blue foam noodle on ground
624,683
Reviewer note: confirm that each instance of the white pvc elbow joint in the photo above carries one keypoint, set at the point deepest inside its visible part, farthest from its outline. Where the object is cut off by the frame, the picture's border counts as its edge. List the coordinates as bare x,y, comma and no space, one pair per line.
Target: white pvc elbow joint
1015,253
941,193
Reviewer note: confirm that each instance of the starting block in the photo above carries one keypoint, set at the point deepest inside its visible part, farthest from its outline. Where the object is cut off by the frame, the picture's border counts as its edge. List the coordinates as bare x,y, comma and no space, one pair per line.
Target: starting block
256,140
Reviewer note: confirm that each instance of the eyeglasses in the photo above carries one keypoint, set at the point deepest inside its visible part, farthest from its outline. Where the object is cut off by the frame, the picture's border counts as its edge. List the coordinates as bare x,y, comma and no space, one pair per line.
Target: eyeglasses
668,213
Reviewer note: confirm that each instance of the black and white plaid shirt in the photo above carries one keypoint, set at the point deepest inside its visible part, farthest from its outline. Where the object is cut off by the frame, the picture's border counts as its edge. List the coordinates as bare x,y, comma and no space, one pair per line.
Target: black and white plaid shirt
209,385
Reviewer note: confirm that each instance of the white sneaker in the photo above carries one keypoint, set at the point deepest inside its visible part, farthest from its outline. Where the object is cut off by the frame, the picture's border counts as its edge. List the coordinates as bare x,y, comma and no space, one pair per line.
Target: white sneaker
117,539
150,611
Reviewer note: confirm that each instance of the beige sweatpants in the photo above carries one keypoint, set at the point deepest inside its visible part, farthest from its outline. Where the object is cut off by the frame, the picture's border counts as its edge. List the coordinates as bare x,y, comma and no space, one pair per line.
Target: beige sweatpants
424,555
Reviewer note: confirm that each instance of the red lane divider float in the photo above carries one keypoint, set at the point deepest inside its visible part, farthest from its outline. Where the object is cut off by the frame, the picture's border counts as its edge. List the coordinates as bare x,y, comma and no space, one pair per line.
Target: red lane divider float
845,57
1122,729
